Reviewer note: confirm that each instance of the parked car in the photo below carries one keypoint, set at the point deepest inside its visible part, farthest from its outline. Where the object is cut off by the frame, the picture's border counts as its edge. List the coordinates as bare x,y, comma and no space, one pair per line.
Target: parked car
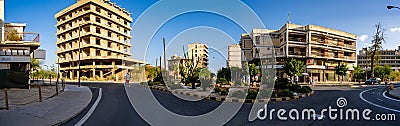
375,80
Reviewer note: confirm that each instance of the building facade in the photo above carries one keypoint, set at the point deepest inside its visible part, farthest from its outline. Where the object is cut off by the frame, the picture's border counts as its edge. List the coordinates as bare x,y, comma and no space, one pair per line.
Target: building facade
386,57
16,51
198,52
93,40
173,66
320,48
234,56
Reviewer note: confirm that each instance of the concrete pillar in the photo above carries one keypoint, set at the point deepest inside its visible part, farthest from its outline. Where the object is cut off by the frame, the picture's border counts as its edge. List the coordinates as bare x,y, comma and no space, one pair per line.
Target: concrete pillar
94,70
101,74
77,74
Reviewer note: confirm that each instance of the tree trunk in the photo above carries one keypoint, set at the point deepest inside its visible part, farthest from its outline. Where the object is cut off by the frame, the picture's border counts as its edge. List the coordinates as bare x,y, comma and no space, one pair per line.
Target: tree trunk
372,64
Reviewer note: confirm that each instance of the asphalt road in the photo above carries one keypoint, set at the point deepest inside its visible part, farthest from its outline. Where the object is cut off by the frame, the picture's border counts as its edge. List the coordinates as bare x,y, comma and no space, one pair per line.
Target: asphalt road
116,109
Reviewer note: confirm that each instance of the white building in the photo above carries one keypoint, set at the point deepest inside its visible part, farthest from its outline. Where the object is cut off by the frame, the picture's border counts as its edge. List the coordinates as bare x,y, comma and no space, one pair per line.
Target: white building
234,56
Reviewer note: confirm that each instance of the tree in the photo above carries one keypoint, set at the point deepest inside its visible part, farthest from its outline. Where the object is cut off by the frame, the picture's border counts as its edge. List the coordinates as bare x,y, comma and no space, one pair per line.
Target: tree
151,72
293,67
377,41
341,69
253,71
13,36
224,73
358,73
382,71
188,70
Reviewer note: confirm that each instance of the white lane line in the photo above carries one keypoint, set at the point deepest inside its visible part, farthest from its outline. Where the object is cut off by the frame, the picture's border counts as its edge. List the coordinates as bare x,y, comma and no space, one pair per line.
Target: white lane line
362,98
384,95
91,110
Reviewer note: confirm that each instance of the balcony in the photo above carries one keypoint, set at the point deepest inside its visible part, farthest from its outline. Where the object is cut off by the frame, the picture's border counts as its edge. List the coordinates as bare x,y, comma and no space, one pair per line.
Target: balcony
24,36
15,56
294,53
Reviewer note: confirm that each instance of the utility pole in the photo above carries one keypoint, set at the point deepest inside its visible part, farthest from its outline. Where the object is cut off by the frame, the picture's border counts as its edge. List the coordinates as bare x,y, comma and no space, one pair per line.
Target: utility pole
79,57
165,55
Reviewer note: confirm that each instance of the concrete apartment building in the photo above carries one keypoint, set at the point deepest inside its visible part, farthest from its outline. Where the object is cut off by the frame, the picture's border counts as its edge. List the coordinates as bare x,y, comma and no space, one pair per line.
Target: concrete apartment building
387,57
173,66
104,39
234,56
16,51
319,47
198,52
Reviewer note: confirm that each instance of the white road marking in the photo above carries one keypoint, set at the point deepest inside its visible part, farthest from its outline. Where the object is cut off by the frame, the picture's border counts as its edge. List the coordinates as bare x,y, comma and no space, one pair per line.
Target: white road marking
91,110
384,95
362,98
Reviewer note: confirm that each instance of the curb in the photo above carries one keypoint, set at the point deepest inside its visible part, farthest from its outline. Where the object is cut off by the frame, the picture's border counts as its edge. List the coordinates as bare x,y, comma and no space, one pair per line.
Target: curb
61,122
221,99
394,96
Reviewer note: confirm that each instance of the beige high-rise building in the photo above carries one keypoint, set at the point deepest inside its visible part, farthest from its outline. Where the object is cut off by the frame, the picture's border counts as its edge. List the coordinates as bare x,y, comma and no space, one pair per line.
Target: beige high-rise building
103,30
234,56
320,48
200,54
387,57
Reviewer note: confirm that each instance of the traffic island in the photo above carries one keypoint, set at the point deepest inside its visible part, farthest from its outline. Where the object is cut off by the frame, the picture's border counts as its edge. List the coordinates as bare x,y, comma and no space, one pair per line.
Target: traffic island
395,93
216,97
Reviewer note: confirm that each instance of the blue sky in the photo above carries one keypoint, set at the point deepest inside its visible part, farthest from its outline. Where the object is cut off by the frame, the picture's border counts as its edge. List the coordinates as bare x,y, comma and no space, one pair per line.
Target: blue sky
355,16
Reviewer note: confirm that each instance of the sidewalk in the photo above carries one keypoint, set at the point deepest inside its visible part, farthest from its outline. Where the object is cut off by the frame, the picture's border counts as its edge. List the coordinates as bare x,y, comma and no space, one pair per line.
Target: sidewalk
53,111
395,93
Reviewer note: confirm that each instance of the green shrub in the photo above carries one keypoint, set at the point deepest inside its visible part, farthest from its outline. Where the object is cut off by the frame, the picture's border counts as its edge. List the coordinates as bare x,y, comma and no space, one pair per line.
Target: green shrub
221,81
282,83
305,89
150,83
173,86
217,90
252,94
143,83
294,87
265,93
84,78
239,94
224,92
285,93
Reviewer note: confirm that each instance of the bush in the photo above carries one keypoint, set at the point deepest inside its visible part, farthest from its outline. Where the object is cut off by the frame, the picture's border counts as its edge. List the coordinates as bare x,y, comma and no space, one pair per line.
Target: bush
252,94
285,93
221,81
265,93
224,92
143,83
294,87
217,90
150,83
173,86
282,83
84,78
305,89
239,94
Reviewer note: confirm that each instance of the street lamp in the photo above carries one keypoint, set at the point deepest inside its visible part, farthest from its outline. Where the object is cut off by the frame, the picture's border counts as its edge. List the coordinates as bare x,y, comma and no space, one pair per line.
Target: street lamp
79,57
391,7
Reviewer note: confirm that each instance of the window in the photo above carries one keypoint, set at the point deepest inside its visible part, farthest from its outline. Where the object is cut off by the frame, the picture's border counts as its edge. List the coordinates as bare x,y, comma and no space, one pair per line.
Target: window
98,20
125,49
98,30
109,14
98,42
98,9
109,44
109,34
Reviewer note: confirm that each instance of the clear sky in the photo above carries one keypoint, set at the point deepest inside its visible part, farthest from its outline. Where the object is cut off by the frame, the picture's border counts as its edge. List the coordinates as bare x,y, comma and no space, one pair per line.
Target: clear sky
354,16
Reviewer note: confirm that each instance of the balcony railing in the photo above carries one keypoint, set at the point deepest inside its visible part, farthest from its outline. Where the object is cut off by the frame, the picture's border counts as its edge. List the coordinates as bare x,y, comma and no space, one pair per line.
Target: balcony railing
24,36
297,53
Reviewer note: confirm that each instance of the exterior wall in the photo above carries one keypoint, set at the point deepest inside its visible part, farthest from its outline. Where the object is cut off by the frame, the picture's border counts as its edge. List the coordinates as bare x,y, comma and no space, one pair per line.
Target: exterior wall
388,57
200,54
104,39
319,47
234,56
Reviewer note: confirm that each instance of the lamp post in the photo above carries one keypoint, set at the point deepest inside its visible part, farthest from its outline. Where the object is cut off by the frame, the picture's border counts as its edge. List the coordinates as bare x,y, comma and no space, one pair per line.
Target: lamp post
391,7
79,57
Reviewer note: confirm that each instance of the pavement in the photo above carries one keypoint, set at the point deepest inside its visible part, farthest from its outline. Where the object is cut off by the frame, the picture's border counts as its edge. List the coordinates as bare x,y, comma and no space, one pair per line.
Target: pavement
21,97
395,93
53,111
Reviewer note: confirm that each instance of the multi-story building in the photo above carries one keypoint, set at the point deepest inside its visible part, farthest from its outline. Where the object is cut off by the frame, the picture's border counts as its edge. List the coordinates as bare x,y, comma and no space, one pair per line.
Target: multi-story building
386,57
173,66
93,37
234,56
16,51
199,53
319,47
